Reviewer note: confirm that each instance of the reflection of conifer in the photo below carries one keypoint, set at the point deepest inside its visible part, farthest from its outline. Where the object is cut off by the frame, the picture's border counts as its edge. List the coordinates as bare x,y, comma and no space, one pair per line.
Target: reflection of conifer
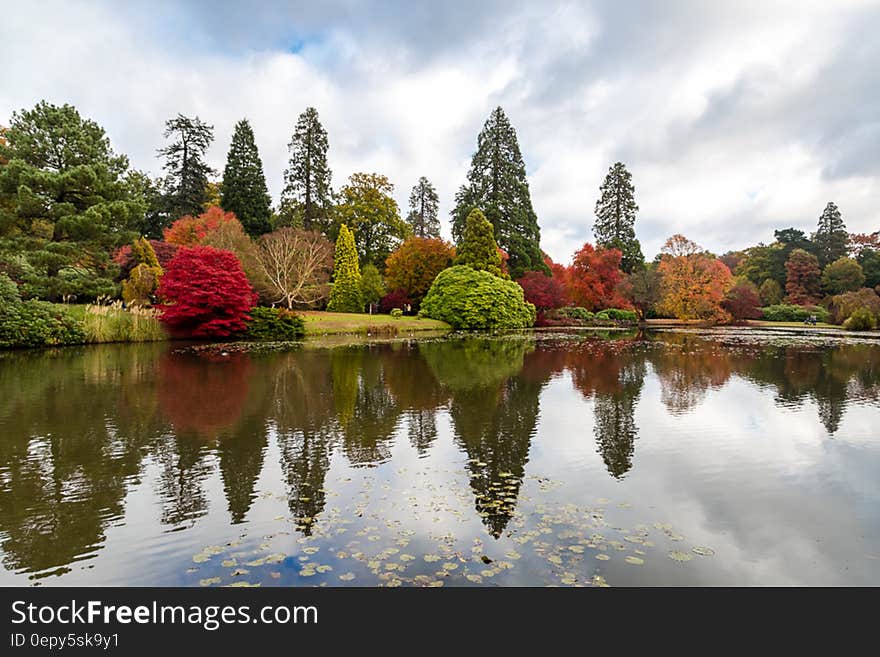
615,425
304,402
368,435
185,467
421,428
305,459
241,460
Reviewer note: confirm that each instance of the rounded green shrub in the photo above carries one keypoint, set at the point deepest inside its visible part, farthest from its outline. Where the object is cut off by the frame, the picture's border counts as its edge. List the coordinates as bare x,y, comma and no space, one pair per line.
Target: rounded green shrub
396,313
791,313
571,312
471,299
618,315
862,319
38,324
275,325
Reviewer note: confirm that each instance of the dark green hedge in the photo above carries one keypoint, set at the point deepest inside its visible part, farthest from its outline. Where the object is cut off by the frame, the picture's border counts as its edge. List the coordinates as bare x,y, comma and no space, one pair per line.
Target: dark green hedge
275,325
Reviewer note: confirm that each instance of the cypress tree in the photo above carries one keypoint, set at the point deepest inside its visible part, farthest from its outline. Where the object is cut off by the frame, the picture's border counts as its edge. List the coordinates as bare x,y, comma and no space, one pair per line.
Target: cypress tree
244,184
831,238
187,180
497,184
616,217
306,195
478,248
345,297
423,203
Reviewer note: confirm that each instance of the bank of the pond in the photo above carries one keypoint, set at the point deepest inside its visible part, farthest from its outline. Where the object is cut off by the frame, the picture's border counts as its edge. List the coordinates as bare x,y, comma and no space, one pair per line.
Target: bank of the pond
320,322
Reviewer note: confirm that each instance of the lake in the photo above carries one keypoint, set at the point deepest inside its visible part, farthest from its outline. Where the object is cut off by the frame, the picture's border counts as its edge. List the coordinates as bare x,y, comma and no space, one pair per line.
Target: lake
724,457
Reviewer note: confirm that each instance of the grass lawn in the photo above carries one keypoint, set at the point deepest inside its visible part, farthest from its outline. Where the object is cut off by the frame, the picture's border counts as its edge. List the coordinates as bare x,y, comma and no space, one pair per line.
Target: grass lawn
324,323
761,322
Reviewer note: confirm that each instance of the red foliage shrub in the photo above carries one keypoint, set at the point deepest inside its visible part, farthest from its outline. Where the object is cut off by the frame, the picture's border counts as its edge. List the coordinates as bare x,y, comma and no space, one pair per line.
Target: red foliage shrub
394,299
164,253
189,231
542,290
593,279
206,292
743,302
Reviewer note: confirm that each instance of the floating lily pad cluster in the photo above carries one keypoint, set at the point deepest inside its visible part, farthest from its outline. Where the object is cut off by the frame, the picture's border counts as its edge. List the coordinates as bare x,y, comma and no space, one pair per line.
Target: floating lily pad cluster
388,540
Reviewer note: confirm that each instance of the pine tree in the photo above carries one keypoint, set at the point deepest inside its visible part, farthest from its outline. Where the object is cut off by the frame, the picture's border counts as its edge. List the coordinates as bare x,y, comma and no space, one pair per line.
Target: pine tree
423,203
616,217
244,185
306,195
831,238
478,248
345,297
497,185
187,180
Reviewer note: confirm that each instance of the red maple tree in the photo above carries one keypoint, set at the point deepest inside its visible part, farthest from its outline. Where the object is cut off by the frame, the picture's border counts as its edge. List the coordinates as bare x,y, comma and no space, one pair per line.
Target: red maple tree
189,230
802,278
593,279
544,291
206,293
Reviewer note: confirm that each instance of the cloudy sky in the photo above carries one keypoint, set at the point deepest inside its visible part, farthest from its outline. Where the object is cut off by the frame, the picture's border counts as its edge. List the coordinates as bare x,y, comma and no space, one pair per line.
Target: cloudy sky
734,117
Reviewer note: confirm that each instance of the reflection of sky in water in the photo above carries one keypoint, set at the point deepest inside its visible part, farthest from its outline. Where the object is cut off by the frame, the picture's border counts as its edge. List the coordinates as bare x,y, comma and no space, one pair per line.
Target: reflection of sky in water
701,445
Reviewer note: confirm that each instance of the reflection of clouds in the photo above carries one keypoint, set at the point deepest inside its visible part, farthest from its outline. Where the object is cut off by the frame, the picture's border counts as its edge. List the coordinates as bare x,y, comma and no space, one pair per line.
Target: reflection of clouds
778,501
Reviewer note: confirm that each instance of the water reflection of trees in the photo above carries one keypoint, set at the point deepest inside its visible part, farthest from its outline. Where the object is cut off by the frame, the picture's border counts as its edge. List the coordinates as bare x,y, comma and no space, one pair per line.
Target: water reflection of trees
78,427
494,413
70,447
612,373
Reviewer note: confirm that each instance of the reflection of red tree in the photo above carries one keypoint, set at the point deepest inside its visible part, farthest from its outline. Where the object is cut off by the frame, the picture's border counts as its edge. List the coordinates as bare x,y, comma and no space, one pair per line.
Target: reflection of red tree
596,367
203,395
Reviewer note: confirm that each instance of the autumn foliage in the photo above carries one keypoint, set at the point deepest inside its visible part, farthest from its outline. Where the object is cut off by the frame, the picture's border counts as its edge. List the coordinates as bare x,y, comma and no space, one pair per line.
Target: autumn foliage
693,283
544,291
206,293
189,230
415,265
743,302
125,257
803,278
593,279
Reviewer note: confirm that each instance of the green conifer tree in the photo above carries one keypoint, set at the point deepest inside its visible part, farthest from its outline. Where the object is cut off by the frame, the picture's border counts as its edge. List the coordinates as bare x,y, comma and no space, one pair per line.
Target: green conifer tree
306,199
423,204
616,217
345,297
187,180
831,238
497,184
478,248
244,184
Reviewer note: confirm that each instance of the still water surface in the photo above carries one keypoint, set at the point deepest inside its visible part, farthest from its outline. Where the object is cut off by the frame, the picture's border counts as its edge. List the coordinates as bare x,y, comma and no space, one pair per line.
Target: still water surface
671,458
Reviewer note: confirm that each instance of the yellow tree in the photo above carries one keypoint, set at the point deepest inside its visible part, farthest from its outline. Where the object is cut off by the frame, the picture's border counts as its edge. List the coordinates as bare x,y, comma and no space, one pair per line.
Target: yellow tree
693,281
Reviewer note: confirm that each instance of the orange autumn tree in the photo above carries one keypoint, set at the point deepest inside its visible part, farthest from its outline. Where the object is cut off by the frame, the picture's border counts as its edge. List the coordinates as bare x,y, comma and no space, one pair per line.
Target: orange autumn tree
693,282
593,278
189,230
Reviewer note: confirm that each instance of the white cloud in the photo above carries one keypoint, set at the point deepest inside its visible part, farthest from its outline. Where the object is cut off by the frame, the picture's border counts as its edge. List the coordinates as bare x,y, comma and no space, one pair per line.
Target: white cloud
719,114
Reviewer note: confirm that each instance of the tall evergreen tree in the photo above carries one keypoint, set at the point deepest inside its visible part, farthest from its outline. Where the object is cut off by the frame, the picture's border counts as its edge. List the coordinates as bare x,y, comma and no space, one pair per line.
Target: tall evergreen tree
497,185
831,238
244,185
616,217
307,194
423,203
478,248
345,297
187,180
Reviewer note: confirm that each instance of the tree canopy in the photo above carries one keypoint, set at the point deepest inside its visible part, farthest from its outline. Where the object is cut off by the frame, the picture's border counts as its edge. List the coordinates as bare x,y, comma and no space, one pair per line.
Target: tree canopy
497,185
306,199
244,189
616,217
